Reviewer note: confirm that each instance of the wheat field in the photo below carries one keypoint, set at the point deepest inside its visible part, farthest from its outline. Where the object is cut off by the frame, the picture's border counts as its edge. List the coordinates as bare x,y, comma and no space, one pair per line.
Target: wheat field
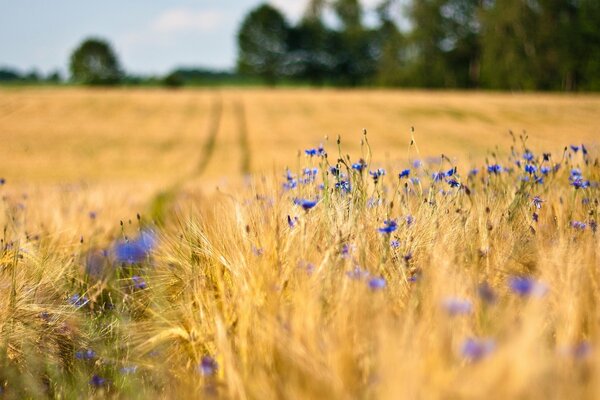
202,244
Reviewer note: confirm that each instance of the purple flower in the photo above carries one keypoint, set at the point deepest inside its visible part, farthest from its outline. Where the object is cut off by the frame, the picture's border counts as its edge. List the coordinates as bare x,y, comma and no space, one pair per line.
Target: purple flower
486,293
359,166
457,306
545,170
473,172
494,169
409,220
88,354
292,222
389,226
528,156
453,183
305,204
537,202
530,169
525,287
128,370
474,349
138,282
574,148
97,381
578,225
377,283
394,244
405,173
78,301
208,366
357,273
137,250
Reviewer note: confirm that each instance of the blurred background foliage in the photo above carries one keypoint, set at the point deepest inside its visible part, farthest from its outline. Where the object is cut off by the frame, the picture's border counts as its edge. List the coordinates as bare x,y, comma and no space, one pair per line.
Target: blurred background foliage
488,44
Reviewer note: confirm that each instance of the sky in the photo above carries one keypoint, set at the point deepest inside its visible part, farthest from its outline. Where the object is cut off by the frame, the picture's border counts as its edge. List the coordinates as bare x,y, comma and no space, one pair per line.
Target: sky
149,36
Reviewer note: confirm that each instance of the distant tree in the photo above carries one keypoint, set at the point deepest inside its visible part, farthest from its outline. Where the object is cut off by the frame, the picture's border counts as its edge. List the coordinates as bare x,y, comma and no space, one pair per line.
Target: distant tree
390,47
9,75
355,53
173,80
263,44
95,63
310,46
54,77
445,42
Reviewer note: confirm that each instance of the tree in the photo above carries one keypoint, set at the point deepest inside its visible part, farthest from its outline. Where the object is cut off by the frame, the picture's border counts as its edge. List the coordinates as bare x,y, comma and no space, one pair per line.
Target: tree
263,44
95,63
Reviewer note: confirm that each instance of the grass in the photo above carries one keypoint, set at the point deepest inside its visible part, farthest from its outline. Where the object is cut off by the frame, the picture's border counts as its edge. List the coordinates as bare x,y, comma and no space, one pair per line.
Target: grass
239,292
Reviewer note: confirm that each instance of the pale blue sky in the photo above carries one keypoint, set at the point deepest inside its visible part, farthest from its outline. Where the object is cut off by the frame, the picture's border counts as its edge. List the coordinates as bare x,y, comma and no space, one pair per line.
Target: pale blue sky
149,36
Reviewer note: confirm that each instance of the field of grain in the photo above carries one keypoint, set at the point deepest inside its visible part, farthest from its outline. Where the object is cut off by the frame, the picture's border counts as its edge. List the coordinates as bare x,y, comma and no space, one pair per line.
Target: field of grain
201,244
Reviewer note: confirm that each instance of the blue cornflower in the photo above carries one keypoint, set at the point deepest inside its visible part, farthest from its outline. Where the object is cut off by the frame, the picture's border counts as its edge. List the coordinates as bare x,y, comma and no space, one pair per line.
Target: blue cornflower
346,250
343,186
359,166
409,220
78,301
128,370
473,172
578,225
377,283
545,170
494,169
574,148
581,350
415,180
453,183
310,171
450,172
528,156
486,293
290,184
305,204
404,173
88,354
575,173
208,366
97,380
524,286
457,306
138,282
136,250
357,273
474,349
389,226
417,163
438,176
292,222
377,174
530,169
394,244
311,152
335,171
580,183
537,202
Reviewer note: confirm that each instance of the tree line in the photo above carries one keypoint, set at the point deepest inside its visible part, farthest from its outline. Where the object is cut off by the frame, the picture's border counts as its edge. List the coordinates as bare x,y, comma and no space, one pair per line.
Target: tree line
502,44
488,44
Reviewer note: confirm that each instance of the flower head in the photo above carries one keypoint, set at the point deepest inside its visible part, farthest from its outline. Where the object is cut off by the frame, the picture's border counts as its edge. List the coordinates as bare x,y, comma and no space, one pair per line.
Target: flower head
524,286
377,283
208,366
389,226
404,173
457,306
305,204
474,349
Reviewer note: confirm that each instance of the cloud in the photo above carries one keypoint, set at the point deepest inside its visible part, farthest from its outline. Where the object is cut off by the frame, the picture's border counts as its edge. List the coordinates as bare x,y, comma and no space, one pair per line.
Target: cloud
186,20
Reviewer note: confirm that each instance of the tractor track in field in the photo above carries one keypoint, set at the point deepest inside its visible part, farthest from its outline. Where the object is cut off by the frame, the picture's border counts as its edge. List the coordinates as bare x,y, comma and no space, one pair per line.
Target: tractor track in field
161,202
